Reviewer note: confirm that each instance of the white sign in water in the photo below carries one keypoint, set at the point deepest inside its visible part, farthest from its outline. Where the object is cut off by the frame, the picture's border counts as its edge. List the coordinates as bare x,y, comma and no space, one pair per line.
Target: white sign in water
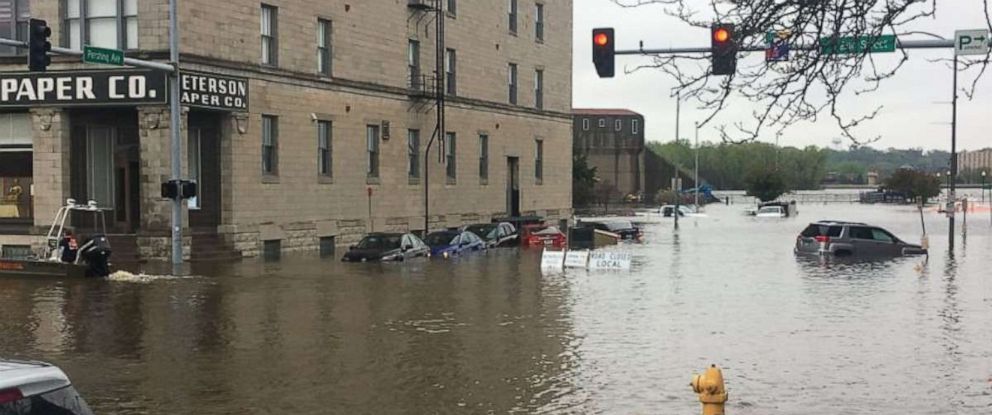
576,259
610,260
552,260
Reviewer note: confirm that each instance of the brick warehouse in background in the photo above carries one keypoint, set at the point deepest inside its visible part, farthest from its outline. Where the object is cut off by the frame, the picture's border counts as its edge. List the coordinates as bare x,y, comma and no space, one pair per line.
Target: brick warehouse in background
292,112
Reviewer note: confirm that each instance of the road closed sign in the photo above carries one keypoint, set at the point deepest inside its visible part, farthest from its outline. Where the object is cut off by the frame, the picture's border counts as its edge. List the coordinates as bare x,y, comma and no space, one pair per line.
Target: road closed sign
614,260
971,42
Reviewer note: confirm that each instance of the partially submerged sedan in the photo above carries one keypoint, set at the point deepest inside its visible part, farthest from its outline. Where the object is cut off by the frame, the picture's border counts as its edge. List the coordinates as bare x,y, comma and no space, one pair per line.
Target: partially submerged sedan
845,239
446,244
387,247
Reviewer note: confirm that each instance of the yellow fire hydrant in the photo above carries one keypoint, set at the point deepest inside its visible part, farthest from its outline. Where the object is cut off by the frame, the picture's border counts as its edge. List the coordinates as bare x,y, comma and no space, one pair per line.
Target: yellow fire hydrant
712,392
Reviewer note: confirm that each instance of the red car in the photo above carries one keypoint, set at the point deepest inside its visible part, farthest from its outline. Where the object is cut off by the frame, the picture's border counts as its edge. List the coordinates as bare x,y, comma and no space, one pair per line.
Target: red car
542,235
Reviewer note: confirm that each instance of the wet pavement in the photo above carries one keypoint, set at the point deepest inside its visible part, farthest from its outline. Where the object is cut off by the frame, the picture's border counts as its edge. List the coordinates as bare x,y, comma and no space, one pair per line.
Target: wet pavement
489,333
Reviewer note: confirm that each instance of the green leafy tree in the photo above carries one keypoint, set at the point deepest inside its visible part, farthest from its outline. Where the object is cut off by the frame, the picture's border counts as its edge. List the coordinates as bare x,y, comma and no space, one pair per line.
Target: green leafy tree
766,184
914,184
583,181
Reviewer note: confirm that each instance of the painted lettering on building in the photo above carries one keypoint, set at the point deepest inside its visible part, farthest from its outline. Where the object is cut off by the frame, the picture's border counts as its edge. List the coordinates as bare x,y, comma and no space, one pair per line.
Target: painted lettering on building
213,91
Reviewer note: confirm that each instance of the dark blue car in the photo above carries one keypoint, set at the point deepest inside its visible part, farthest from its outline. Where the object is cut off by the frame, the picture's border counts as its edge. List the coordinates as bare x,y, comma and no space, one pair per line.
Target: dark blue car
447,244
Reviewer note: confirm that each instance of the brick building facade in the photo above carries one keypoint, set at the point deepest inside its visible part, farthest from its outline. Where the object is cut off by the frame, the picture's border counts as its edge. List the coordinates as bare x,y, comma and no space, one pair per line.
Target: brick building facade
294,112
613,142
978,160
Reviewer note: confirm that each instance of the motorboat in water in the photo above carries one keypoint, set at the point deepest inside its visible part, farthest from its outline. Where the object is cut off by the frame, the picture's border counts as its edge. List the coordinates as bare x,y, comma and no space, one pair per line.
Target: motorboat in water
92,257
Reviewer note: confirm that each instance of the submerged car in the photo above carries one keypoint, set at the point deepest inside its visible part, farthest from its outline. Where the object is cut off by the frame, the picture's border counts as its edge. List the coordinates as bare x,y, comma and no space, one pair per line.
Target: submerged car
624,228
843,239
495,234
37,388
387,247
446,244
771,212
542,235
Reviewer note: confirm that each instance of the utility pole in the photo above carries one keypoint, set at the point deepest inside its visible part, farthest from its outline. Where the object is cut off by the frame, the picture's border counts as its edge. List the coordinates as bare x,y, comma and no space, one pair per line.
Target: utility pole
954,158
675,183
696,179
174,126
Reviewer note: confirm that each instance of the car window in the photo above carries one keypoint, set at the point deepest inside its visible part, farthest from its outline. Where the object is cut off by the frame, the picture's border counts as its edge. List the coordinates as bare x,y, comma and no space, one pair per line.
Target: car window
380,242
834,231
858,232
882,236
63,401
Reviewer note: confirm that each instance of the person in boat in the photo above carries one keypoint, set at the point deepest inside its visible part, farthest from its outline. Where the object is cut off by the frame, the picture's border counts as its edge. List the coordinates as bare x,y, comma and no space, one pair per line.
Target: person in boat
69,247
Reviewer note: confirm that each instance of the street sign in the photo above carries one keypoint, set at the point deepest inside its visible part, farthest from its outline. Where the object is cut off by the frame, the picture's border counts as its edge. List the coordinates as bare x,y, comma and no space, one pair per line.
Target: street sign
857,44
971,42
777,45
93,54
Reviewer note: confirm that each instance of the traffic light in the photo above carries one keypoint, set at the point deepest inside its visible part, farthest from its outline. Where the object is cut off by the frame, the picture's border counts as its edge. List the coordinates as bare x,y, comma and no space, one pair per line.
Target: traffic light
179,189
602,51
724,49
38,45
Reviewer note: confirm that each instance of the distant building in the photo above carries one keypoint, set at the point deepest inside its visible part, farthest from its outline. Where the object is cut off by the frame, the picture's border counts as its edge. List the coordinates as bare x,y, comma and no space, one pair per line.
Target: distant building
975,160
873,178
613,142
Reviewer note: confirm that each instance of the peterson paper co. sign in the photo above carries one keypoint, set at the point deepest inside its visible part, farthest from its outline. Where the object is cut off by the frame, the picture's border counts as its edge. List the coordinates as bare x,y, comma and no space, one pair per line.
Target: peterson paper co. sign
213,91
89,88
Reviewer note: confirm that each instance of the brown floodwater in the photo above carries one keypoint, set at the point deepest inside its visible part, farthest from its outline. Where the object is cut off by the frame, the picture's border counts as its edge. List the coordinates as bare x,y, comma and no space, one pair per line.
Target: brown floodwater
491,334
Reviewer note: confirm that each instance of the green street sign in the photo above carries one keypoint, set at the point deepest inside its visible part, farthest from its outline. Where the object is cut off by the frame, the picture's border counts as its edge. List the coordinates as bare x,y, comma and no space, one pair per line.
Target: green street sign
857,44
100,55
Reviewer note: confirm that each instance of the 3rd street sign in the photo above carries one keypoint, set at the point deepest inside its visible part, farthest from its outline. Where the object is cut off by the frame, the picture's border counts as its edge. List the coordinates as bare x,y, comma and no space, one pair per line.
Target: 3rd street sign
971,42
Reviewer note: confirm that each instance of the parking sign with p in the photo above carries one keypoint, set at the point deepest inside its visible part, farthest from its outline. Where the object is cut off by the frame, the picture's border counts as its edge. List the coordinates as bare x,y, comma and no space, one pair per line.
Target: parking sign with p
971,42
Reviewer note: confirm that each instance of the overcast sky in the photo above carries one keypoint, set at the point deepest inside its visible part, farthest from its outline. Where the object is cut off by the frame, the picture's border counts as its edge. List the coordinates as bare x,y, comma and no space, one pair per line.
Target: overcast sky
916,111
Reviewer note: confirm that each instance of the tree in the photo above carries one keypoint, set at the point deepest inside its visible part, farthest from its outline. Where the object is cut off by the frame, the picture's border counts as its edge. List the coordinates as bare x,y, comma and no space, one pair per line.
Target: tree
811,84
914,184
583,181
766,184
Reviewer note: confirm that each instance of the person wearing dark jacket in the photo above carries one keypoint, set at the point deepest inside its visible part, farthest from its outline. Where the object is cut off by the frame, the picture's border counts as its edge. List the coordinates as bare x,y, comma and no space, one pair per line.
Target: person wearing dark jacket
69,247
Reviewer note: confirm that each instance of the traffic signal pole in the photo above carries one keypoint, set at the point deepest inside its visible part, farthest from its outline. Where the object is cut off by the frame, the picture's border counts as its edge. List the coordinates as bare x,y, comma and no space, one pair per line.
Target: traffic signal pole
901,44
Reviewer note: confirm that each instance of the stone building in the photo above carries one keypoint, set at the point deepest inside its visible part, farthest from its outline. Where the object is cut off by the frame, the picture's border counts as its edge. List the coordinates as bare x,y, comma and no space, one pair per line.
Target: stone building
305,123
613,142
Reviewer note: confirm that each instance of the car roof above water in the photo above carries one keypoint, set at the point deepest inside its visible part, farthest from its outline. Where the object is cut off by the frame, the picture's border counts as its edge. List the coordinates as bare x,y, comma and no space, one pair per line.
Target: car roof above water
838,223
31,378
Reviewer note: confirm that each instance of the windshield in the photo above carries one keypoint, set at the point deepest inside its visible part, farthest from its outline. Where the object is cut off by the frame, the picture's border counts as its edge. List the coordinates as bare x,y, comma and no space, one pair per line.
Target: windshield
619,225
482,230
384,242
770,209
441,238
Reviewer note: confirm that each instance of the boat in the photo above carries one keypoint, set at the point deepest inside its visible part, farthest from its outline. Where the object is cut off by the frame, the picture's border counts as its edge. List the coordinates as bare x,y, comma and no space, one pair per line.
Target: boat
92,258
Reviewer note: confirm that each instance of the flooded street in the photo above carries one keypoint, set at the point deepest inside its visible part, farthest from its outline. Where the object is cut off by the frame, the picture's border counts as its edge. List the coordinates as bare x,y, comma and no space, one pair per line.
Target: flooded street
491,334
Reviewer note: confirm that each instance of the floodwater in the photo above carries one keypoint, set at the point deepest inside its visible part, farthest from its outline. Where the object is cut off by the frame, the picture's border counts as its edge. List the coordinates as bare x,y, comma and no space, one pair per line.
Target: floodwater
490,334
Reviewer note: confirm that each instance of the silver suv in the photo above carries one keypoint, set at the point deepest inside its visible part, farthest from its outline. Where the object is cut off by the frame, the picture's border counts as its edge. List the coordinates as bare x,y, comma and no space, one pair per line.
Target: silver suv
852,239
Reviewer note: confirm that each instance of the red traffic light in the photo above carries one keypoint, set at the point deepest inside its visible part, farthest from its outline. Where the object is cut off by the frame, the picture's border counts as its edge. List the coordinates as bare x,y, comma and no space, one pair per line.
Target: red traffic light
601,39
721,35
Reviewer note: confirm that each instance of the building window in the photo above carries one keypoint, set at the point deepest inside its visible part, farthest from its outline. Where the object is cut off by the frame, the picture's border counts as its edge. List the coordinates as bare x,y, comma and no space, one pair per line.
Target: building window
585,124
372,149
512,82
105,23
450,63
16,168
539,22
633,126
413,153
513,16
270,145
452,7
539,89
270,42
539,161
483,156
14,16
602,123
325,163
413,63
618,125
324,47
194,164
450,159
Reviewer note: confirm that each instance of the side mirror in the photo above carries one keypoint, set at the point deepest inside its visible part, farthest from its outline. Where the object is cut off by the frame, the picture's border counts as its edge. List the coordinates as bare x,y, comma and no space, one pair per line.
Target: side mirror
353,247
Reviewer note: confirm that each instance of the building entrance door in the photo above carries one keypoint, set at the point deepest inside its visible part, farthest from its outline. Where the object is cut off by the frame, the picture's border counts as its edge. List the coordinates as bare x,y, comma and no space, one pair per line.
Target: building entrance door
513,186
203,158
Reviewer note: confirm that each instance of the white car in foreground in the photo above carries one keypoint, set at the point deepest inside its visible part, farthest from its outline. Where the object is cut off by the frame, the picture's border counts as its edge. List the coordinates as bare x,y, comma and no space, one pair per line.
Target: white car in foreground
36,388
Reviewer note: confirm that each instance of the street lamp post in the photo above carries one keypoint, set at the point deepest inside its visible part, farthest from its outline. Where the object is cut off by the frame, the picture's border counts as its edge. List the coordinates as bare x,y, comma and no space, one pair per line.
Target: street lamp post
983,187
696,179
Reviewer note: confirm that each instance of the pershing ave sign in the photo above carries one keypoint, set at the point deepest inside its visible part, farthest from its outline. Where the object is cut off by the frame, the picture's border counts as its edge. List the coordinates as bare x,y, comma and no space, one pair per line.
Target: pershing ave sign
89,88
120,87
